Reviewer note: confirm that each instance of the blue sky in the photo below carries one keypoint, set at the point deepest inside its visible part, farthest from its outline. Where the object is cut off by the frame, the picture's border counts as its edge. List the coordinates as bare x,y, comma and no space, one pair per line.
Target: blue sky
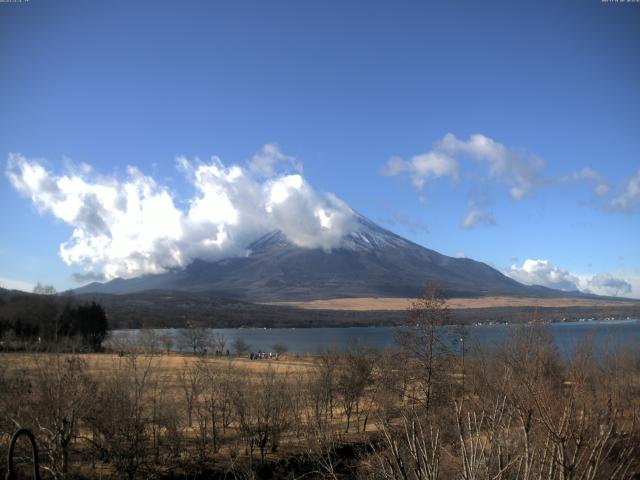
508,132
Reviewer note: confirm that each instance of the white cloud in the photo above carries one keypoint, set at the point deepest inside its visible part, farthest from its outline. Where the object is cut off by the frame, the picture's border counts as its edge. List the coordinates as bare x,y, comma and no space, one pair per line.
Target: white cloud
520,172
477,217
266,161
132,226
597,181
629,200
543,272
606,284
421,168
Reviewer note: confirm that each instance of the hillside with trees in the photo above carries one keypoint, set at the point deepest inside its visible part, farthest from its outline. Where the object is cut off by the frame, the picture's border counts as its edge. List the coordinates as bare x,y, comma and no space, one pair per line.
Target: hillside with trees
44,319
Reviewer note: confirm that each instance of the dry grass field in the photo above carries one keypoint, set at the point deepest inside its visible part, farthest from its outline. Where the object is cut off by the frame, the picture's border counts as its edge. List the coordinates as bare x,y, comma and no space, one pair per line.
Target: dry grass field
174,380
394,304
134,415
102,365
254,390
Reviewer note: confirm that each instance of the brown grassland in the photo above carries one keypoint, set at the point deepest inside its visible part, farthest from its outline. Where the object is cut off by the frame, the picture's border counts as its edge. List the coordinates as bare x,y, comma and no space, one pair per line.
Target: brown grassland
393,304
420,412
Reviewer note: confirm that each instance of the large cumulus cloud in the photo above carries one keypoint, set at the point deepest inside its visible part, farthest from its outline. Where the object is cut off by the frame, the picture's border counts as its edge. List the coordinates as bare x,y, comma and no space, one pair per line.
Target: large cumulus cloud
607,284
125,227
545,273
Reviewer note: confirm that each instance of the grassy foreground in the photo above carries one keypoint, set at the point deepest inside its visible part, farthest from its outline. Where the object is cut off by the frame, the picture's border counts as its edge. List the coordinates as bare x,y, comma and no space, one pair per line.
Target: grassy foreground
516,413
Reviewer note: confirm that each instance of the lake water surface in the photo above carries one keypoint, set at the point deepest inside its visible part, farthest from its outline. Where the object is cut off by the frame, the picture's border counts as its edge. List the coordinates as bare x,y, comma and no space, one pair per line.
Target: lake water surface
566,335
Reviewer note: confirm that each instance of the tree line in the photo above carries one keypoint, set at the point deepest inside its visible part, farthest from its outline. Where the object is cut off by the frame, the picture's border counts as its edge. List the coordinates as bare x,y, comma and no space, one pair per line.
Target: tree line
43,319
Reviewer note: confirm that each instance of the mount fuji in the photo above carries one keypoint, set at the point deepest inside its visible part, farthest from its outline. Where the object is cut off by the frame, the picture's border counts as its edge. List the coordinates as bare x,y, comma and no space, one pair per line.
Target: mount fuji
369,262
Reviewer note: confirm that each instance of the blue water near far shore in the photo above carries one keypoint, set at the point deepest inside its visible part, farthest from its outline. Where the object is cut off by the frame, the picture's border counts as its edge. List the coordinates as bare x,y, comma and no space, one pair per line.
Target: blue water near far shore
604,334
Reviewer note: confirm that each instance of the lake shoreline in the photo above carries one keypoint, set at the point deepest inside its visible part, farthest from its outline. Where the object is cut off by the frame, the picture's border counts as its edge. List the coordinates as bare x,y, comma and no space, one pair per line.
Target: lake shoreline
306,341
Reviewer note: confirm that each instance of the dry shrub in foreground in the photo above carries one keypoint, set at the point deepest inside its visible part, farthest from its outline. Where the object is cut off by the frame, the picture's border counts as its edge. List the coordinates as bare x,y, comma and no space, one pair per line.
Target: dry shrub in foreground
528,415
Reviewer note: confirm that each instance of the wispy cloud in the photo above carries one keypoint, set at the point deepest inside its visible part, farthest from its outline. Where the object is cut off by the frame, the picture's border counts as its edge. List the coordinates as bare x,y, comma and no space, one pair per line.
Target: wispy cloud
519,171
598,183
269,160
421,168
478,217
629,200
132,226
413,225
88,277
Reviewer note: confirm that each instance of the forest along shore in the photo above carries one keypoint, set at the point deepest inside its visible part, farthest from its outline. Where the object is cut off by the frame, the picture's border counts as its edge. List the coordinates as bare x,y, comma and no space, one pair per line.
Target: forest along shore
167,310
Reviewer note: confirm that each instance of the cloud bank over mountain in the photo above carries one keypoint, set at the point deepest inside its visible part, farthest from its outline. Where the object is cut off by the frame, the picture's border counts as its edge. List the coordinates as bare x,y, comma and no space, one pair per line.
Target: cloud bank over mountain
131,225
126,227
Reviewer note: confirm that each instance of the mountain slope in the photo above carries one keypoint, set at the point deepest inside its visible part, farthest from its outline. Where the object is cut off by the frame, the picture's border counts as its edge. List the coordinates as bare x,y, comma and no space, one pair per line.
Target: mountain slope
370,262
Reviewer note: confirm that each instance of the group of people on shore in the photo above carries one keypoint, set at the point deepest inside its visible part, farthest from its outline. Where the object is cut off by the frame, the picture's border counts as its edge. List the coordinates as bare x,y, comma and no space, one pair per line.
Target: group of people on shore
262,356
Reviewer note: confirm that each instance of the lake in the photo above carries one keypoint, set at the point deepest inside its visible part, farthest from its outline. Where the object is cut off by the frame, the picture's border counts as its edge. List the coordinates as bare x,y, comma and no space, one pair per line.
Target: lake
566,335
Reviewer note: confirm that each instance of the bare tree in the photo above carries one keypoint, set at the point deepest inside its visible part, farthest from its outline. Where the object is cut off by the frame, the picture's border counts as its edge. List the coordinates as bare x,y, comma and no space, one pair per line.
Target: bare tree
548,420
120,415
218,342
149,341
195,338
392,380
189,380
42,289
321,445
423,341
215,402
324,384
167,343
409,451
240,347
354,377
262,410
62,391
